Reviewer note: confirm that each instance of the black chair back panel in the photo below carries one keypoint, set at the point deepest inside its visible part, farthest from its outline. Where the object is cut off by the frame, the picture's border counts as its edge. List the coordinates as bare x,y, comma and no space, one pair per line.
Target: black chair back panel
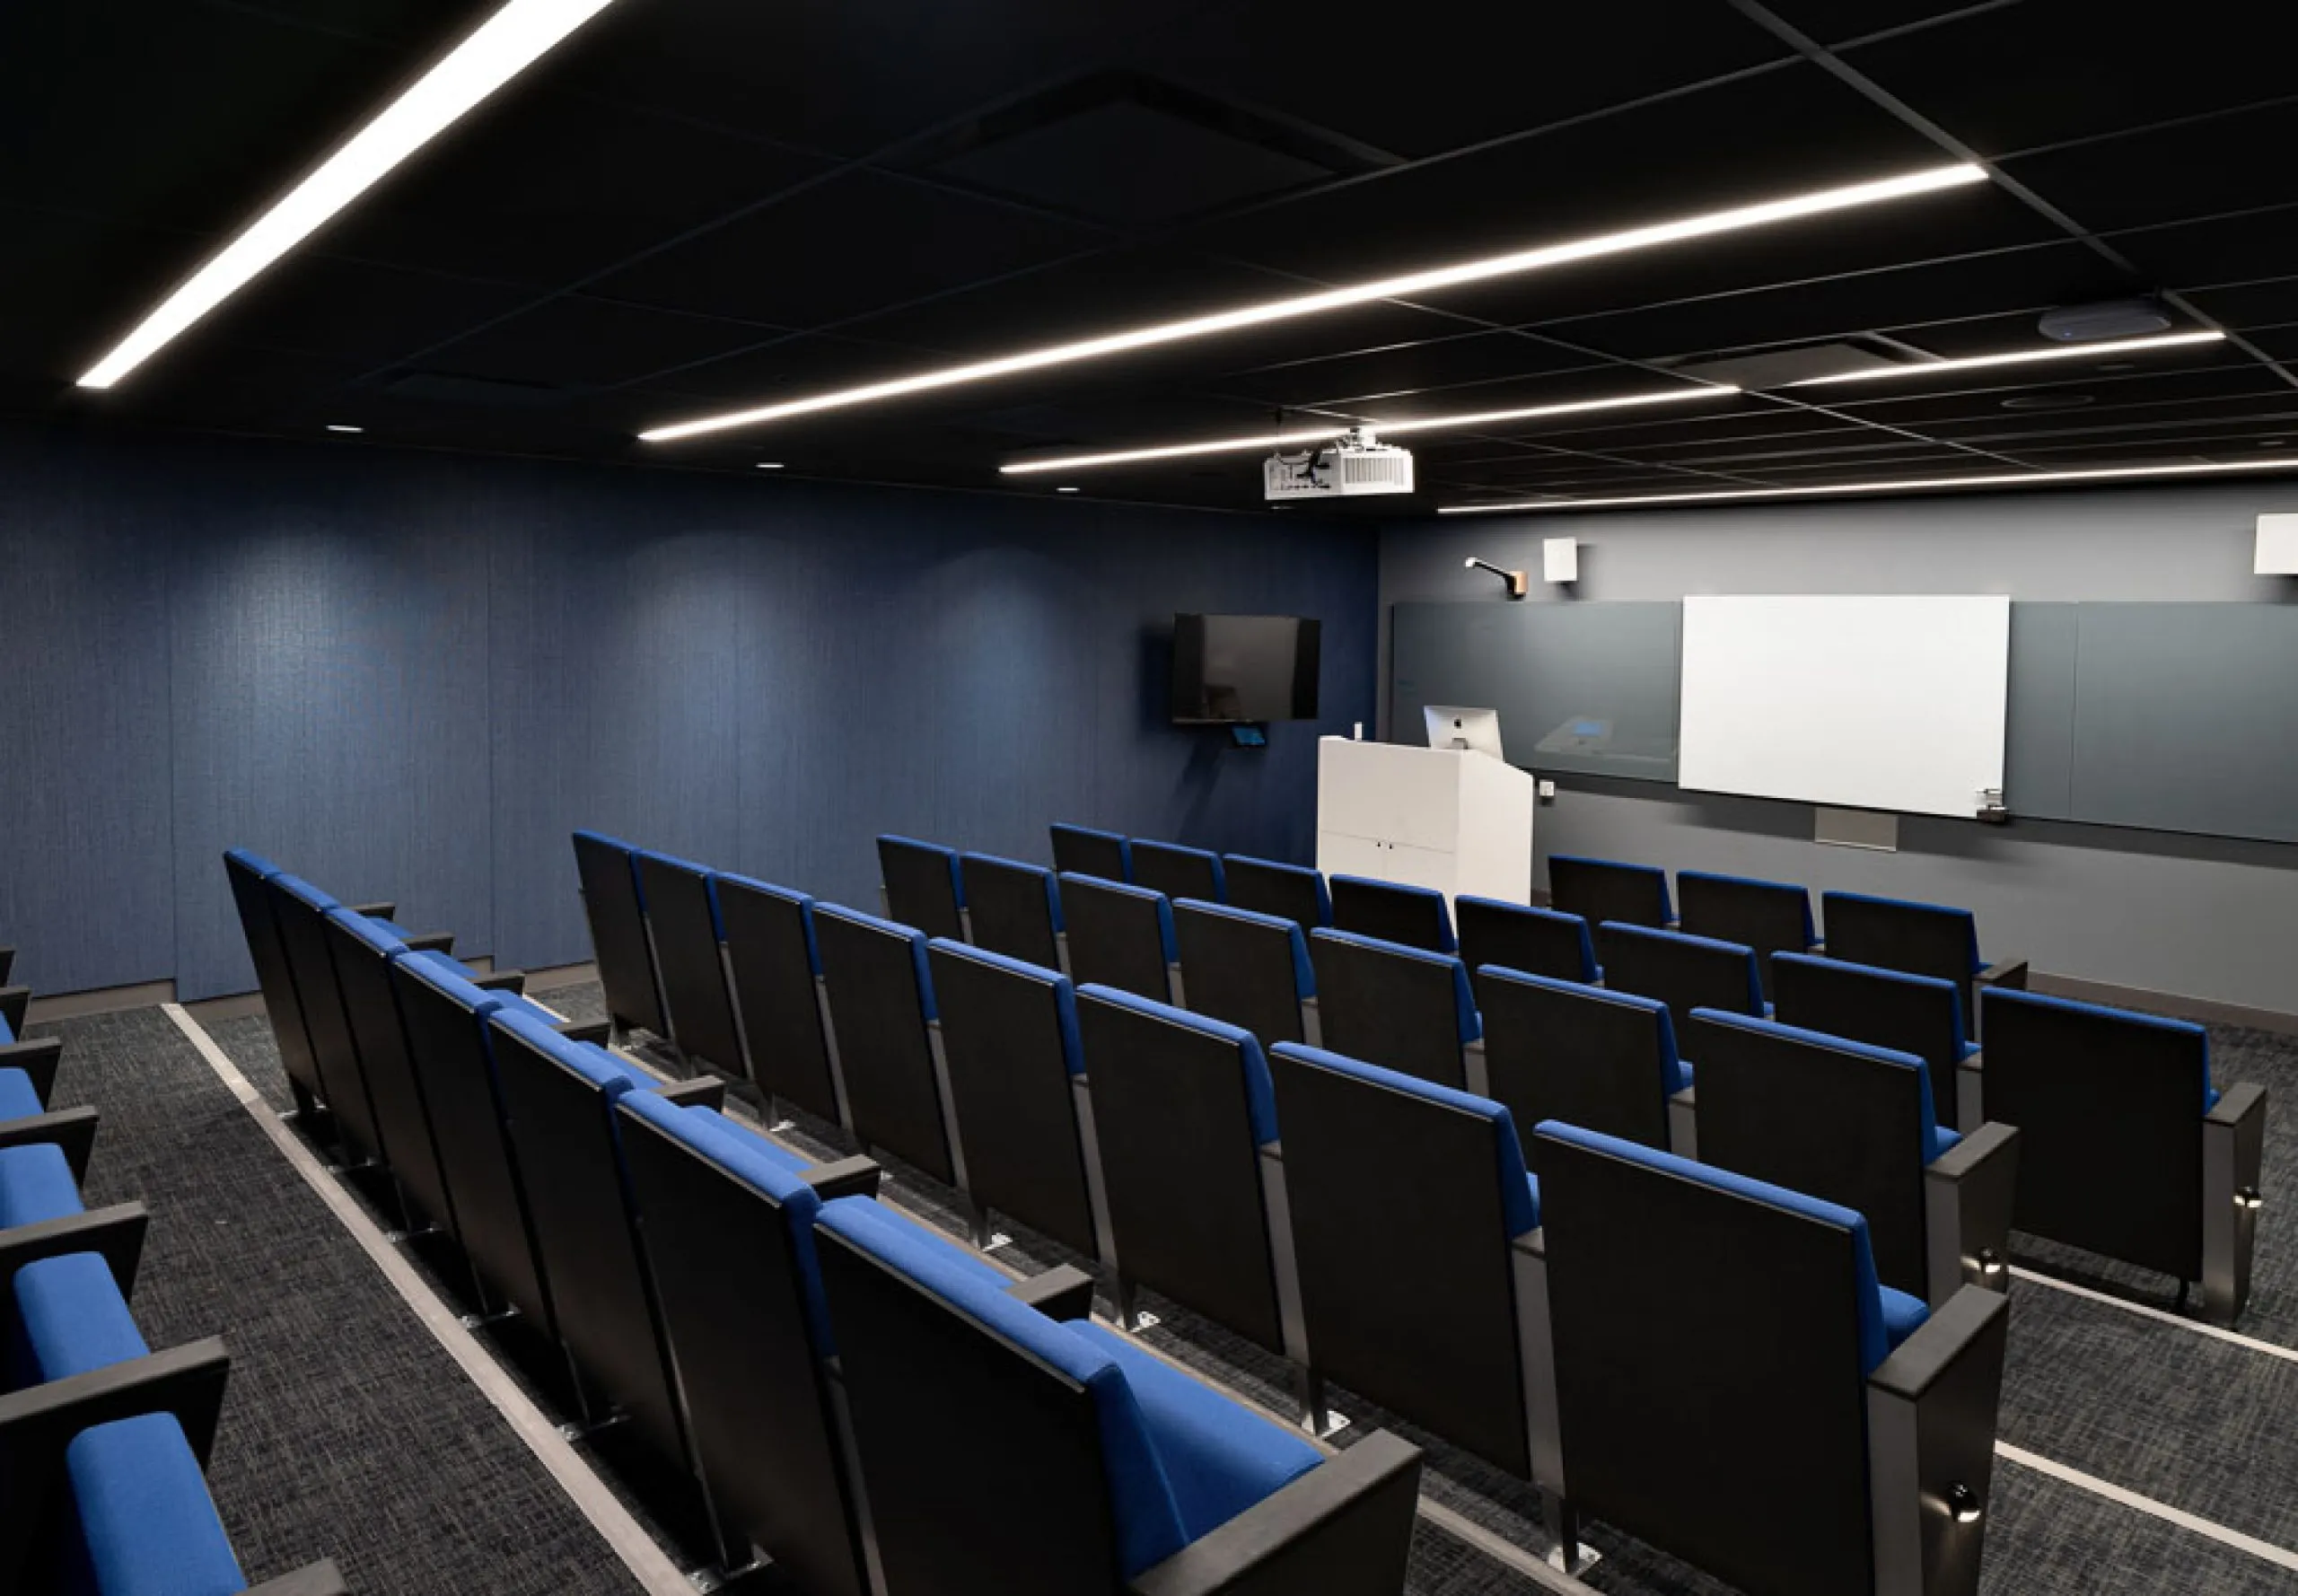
1010,912
619,933
1580,1057
686,951
1682,974
570,1166
1114,940
1088,853
1407,1289
919,890
2110,1118
1848,1000
258,921
726,1277
371,1009
1387,1009
1711,1396
781,1006
1236,971
476,1158
1374,908
1177,872
1598,891
1007,1430
1823,1122
1920,941
1769,916
1180,1167
884,1049
1288,894
1010,1084
1533,943
302,932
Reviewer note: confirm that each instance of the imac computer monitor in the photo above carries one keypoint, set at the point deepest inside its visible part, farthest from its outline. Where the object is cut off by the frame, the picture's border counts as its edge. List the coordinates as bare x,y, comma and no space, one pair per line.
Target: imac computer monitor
1477,730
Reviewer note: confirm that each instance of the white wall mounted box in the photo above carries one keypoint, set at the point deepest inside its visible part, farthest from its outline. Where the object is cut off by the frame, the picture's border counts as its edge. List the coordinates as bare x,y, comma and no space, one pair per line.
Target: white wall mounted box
2277,545
1560,559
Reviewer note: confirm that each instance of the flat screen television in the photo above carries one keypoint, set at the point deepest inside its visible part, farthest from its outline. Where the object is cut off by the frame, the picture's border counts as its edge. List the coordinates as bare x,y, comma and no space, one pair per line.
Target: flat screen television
1240,668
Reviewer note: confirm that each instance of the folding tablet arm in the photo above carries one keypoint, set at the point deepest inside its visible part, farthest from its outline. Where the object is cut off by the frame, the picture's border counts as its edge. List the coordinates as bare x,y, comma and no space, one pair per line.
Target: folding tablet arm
1931,1410
1969,1193
2234,1153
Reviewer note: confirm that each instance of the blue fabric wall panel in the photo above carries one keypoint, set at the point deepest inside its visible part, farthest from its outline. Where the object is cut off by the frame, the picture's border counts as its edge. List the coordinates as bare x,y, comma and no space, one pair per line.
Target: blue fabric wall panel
328,668
613,694
83,769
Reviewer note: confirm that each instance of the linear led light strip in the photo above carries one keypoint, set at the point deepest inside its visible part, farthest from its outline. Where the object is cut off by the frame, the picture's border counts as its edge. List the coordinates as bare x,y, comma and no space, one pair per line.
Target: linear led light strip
1387,429
1910,485
504,46
1973,362
1927,181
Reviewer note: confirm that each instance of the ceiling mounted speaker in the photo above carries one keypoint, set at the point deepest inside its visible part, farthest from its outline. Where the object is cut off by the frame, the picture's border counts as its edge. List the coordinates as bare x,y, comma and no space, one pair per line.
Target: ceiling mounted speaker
2114,318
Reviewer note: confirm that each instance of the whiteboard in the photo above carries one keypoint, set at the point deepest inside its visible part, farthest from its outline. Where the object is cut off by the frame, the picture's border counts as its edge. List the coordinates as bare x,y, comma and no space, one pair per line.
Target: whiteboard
1868,703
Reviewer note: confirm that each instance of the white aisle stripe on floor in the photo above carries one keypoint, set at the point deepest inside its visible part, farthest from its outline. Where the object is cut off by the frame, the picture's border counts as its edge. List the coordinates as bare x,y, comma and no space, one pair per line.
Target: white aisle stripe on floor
655,1571
2288,1355
2264,1550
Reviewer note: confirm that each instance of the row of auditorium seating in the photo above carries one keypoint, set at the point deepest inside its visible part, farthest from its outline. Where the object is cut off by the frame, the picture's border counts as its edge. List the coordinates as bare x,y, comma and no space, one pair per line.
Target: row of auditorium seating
1528,1011
1147,1136
103,1443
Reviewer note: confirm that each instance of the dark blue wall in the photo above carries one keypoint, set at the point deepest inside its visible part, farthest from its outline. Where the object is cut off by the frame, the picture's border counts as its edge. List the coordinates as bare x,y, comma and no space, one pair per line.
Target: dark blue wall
411,676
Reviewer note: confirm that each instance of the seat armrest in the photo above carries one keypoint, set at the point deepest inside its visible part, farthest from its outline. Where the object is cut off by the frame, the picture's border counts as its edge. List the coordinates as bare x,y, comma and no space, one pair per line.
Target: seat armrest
703,1092
1473,1071
15,1003
2233,1157
1062,1291
431,941
594,1031
116,1232
38,1058
382,909
1683,1122
316,1579
1536,1361
73,1130
1931,1416
1970,1090
1343,1528
846,1177
513,981
2009,973
1969,1194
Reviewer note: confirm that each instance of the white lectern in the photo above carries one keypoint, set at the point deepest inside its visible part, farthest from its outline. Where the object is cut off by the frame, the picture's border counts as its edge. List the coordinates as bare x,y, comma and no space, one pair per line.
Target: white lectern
1428,817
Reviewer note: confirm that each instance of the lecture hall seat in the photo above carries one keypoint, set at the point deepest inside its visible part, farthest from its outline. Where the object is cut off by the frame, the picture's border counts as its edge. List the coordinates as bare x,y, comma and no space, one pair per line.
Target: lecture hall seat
775,965
687,932
1155,1482
1536,942
1081,850
1179,872
37,1057
1606,1060
1769,916
1684,972
26,1119
1601,890
1885,1008
1413,916
616,911
1121,936
1923,939
1293,892
1014,908
882,1012
922,885
1402,1008
1250,969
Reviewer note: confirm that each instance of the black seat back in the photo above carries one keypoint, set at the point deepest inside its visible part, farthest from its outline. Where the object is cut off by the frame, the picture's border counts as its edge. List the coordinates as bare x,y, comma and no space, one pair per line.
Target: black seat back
1413,916
923,886
1836,1119
1555,1050
1119,936
1923,939
1538,942
771,957
1398,1008
260,923
1179,872
1885,1008
1246,969
363,953
1684,972
1180,1109
301,911
881,1003
617,917
682,910
1601,890
1014,908
1009,1041
1292,892
1769,916
2109,1105
1080,850
1644,1266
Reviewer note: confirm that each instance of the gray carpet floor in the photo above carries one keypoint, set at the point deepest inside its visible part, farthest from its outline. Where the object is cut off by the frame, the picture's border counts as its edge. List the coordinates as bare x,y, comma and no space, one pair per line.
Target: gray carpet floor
2195,1423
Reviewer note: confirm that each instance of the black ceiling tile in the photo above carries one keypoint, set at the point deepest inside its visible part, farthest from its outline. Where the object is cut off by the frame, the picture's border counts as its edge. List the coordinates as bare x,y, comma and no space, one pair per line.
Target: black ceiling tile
2228,250
2280,343
2235,379
578,342
1687,439
2232,440
2268,407
74,286
214,383
323,305
1449,72
1838,22
2047,71
2270,303
2205,168
859,243
1456,364
780,368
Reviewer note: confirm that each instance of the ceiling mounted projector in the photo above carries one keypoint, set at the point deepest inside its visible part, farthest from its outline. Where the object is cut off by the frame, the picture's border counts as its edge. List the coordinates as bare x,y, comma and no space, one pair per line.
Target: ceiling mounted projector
2114,318
1352,466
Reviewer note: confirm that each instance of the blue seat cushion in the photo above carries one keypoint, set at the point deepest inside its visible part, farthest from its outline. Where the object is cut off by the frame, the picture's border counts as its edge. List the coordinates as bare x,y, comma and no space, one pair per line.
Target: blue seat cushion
71,1318
1063,996
1260,1094
1304,972
1520,1195
144,1523
7,1032
19,1099
35,1184
1903,1315
1219,1457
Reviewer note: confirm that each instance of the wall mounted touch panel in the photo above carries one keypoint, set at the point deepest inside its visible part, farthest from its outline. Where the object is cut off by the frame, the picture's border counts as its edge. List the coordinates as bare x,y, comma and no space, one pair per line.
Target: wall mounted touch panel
1867,702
